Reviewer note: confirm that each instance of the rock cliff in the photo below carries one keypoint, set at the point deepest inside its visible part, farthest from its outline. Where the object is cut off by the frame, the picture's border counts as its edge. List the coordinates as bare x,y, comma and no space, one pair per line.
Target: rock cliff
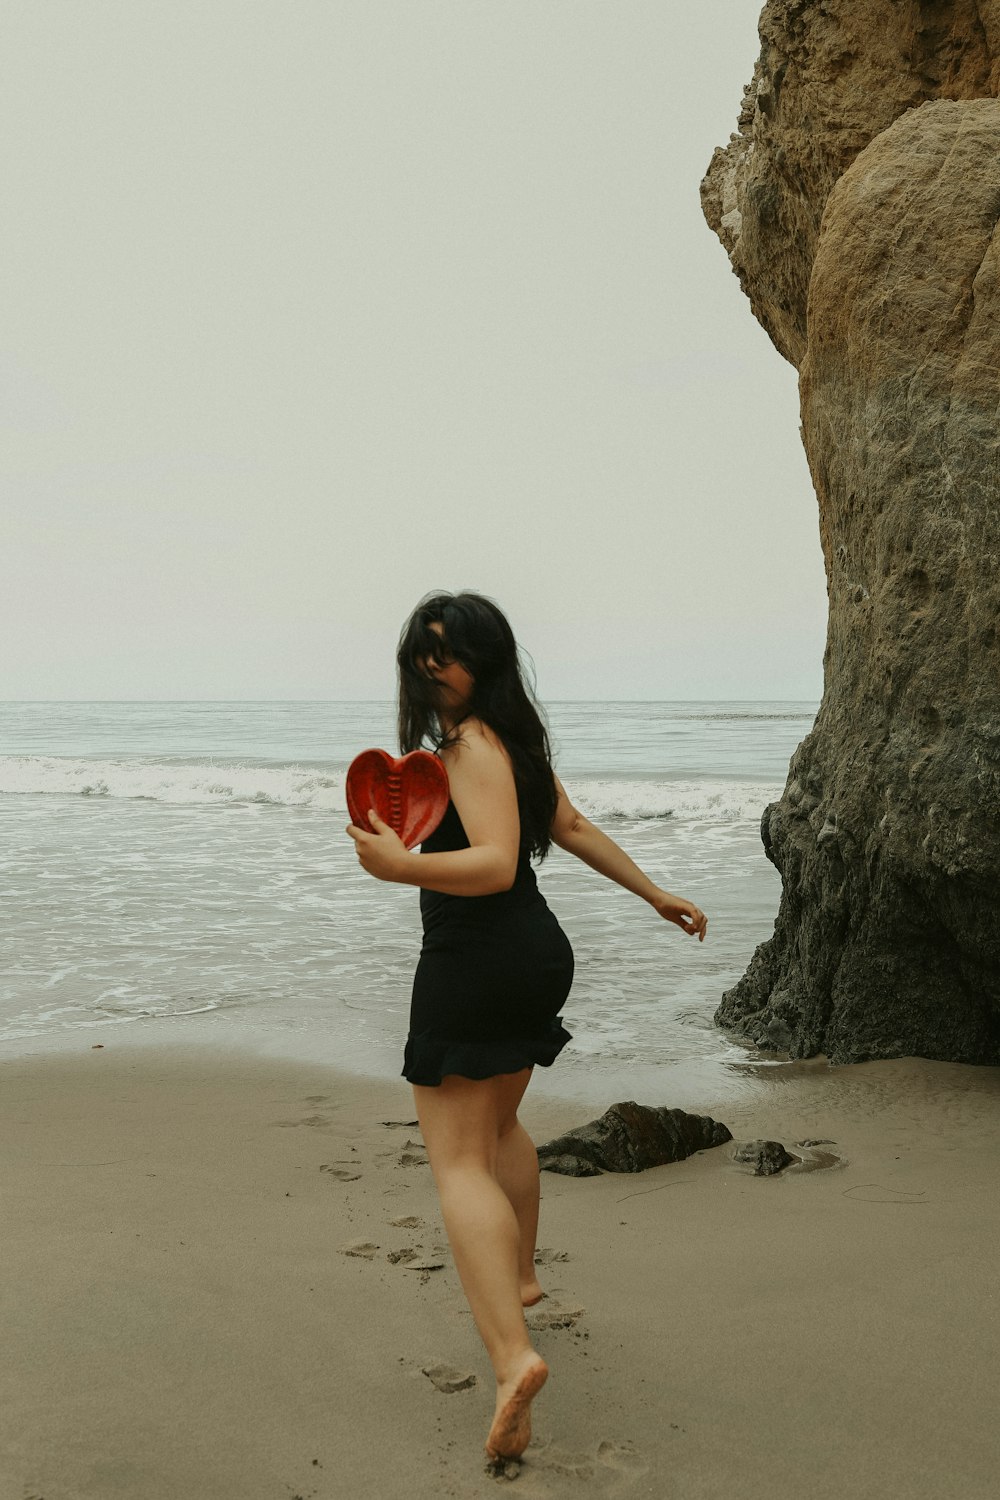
832,75
859,205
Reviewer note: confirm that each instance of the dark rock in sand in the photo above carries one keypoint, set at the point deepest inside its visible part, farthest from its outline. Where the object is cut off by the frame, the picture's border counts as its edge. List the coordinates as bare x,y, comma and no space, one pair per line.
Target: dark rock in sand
859,204
766,1157
568,1165
630,1137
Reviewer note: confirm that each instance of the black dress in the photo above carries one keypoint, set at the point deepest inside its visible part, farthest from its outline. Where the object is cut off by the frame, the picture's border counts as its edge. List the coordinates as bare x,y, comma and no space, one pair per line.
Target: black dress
494,972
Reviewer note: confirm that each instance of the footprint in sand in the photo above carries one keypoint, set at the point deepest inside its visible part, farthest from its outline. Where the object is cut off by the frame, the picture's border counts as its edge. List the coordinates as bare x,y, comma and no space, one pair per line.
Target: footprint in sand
343,1171
502,1468
409,1254
364,1249
547,1257
621,1458
813,1160
413,1155
449,1380
561,1461
554,1317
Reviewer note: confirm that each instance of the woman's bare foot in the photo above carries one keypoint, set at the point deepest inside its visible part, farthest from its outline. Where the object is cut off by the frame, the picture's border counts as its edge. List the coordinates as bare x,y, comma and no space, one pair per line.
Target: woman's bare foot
531,1293
511,1430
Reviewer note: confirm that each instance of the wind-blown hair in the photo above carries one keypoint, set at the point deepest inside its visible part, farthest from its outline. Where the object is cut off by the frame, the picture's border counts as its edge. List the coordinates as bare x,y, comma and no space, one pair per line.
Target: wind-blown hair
478,636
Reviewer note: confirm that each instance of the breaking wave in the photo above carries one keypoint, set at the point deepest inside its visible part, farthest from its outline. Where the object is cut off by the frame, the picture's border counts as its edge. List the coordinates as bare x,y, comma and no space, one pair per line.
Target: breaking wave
708,800
322,788
173,781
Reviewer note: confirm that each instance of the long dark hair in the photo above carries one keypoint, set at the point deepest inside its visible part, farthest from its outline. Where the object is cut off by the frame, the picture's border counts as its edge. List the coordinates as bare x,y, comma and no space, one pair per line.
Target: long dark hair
477,634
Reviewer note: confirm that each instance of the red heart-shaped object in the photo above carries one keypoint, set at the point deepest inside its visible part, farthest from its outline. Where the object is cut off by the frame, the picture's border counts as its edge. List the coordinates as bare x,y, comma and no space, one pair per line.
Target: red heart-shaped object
410,794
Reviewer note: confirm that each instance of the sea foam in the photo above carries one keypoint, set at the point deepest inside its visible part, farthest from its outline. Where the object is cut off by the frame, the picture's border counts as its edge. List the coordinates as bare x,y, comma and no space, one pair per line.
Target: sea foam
708,799
173,781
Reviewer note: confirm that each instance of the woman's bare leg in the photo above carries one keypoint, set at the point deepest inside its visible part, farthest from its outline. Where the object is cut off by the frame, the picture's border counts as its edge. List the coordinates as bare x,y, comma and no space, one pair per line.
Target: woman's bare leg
461,1121
517,1173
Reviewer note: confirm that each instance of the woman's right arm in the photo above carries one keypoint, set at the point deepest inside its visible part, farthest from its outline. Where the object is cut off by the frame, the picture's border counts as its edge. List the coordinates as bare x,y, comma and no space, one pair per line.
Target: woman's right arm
482,788
577,835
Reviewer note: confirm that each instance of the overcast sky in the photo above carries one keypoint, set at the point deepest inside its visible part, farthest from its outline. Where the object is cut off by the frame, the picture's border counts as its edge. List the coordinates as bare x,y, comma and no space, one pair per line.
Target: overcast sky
311,308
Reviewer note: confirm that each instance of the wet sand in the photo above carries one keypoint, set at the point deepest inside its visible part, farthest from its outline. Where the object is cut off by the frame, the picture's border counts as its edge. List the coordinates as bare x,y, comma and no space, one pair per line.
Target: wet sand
225,1276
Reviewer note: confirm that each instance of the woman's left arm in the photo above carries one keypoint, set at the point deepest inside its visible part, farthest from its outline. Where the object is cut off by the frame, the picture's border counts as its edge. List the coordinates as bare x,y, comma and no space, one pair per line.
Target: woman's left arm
577,835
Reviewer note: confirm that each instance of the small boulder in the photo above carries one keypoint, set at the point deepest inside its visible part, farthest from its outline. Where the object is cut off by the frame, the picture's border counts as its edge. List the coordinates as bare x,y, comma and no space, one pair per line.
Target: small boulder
568,1165
766,1157
630,1137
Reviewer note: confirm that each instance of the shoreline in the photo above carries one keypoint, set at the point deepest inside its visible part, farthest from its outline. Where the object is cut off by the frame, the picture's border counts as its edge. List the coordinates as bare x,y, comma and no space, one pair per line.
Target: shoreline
735,1070
182,1319
741,1085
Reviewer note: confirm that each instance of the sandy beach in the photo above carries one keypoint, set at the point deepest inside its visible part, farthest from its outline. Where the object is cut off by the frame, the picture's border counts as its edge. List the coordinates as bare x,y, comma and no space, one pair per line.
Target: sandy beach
183,1315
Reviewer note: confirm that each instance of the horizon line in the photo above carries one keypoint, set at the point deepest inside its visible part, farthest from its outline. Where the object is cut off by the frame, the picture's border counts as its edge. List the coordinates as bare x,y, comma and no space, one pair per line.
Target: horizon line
384,701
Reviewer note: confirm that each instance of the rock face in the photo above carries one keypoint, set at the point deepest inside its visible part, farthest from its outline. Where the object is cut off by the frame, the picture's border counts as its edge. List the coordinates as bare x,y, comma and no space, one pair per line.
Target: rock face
860,214
630,1137
830,77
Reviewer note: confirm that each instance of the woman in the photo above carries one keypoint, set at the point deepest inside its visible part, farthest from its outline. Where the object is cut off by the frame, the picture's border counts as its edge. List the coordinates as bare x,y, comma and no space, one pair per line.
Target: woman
495,966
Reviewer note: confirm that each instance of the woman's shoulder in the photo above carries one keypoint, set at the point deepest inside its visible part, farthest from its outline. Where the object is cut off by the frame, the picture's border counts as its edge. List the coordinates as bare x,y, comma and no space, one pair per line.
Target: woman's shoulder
475,741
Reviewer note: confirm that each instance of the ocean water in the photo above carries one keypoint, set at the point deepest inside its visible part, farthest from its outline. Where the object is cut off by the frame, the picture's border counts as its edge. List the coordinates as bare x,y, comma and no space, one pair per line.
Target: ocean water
181,869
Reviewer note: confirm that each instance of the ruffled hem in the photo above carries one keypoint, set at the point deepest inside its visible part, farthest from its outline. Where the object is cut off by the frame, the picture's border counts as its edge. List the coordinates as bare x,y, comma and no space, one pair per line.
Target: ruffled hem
428,1058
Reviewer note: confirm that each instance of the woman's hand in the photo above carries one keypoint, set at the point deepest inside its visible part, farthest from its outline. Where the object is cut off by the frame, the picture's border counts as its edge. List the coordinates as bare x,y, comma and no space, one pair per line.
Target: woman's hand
688,917
382,853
